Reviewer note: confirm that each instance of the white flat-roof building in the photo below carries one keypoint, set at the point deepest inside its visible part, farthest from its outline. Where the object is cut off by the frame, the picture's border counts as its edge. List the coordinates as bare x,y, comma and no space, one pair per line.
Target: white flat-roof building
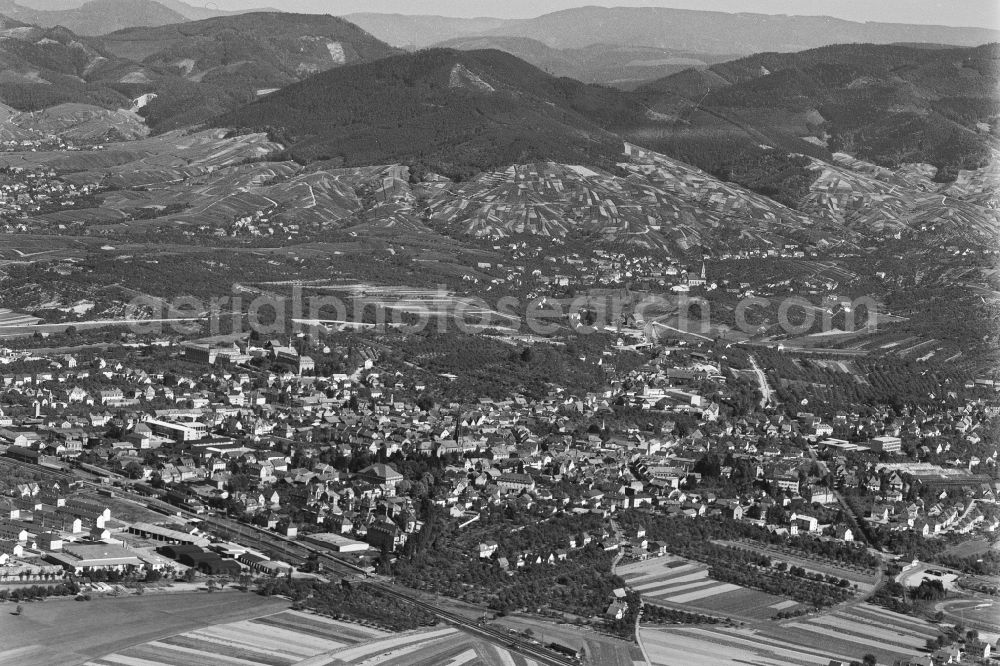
336,542
886,444
158,533
79,556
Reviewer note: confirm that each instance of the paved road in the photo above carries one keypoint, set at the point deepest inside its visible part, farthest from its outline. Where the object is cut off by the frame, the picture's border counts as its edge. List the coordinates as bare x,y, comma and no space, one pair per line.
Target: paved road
858,521
765,390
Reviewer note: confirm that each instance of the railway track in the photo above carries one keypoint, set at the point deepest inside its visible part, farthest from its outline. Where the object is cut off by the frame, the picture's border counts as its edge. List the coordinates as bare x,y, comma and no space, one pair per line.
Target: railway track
297,553
526,648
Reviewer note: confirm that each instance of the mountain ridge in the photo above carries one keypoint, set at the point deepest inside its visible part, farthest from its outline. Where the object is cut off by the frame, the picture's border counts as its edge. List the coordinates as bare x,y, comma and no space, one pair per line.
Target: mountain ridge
222,62
401,29
886,103
186,75
605,64
680,29
454,112
96,17
92,18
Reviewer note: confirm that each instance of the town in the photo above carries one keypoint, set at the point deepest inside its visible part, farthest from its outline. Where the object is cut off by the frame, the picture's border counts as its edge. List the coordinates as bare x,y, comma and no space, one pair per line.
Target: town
257,460
616,336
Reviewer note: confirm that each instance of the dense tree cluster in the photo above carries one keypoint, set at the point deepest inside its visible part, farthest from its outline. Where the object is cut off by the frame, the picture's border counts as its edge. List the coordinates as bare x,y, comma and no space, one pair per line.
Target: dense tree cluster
889,380
891,595
742,566
442,558
773,172
868,100
663,615
928,590
349,601
405,109
38,592
487,367
684,533
795,585
985,564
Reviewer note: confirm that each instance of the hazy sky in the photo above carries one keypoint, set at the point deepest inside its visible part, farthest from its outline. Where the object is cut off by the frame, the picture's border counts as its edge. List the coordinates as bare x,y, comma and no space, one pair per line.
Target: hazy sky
981,13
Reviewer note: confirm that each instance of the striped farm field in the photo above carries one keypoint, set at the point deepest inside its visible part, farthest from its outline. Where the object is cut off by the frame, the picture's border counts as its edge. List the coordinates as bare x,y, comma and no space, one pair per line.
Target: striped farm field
678,583
291,638
861,628
870,626
702,593
282,639
9,318
717,647
845,634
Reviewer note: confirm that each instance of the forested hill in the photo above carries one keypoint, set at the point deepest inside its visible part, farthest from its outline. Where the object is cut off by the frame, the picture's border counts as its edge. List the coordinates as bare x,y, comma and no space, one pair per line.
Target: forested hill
96,17
202,68
194,70
43,67
889,104
452,112
292,41
461,112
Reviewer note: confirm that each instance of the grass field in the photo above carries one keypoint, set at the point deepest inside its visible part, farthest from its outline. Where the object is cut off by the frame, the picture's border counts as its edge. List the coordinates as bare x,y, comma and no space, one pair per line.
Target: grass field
845,634
984,614
67,632
678,583
971,548
290,638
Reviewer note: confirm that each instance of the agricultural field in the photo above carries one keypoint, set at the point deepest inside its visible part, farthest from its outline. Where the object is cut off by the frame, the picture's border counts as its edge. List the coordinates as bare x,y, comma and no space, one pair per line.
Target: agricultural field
212,182
678,583
866,198
10,319
68,632
80,123
36,248
451,648
844,634
150,160
291,637
422,302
